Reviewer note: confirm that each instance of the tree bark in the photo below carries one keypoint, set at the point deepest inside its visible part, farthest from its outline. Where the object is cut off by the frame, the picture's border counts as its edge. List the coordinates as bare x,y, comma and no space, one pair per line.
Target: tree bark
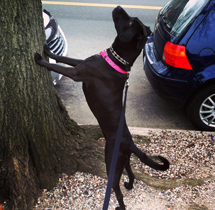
38,140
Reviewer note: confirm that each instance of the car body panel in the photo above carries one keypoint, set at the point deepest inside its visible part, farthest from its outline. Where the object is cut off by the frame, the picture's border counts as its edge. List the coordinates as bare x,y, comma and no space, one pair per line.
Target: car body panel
202,56
176,84
169,83
55,39
190,86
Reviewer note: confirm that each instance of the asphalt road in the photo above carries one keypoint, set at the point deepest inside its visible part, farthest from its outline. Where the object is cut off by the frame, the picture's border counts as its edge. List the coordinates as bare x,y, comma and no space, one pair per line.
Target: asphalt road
90,29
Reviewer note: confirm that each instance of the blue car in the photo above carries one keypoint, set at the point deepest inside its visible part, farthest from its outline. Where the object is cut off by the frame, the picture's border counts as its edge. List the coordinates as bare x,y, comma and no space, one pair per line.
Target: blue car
179,58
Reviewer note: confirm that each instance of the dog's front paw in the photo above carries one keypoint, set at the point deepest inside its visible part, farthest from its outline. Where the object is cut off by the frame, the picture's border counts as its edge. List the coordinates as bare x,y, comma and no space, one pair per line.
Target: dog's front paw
47,50
37,57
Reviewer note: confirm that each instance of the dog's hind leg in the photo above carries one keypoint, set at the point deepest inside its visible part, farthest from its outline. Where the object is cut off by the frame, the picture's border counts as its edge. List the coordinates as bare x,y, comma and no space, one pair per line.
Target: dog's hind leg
119,195
118,173
129,185
116,187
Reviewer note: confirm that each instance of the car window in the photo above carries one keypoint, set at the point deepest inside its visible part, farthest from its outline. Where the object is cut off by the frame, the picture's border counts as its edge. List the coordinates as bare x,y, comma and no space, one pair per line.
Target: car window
179,14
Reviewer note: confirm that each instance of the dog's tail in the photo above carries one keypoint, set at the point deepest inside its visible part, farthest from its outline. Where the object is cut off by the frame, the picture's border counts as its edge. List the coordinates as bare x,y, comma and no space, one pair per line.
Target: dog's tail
149,162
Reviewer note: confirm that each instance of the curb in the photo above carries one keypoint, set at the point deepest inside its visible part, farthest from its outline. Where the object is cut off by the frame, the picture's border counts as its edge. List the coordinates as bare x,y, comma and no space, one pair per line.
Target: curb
147,131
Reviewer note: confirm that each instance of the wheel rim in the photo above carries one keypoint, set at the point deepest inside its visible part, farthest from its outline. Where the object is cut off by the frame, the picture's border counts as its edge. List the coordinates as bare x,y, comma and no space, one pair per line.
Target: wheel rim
207,111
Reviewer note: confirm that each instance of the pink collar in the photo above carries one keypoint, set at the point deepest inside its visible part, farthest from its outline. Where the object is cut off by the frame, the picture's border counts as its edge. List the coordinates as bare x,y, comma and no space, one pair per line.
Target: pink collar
111,63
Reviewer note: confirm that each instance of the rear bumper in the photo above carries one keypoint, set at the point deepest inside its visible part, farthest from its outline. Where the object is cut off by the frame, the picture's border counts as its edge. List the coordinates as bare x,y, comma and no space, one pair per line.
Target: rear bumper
176,85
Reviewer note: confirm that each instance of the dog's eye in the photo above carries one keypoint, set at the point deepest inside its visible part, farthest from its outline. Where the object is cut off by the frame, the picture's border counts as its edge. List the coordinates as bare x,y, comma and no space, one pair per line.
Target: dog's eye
130,23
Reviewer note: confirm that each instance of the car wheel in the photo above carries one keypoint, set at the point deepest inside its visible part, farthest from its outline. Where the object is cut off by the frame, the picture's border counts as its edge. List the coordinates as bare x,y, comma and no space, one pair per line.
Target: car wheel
201,109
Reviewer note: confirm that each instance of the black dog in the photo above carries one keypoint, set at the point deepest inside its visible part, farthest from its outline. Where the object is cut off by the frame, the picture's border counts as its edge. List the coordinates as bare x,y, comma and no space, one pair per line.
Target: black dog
104,78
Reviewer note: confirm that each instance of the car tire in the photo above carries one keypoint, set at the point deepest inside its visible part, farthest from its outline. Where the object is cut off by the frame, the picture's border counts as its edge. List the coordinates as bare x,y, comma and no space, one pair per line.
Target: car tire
201,109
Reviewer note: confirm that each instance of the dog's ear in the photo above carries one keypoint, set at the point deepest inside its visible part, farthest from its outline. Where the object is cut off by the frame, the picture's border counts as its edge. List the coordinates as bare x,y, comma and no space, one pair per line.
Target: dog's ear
142,42
144,33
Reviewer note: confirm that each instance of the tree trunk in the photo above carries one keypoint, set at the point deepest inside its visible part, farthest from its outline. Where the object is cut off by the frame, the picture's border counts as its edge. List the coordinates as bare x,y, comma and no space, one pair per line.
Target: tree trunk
38,140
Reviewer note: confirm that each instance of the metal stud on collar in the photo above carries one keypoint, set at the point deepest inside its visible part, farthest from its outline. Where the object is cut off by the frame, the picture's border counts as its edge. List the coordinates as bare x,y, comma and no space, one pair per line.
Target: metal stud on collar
121,60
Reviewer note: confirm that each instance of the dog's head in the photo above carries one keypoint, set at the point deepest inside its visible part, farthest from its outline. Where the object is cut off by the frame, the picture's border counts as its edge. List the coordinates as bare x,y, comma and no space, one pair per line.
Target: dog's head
129,28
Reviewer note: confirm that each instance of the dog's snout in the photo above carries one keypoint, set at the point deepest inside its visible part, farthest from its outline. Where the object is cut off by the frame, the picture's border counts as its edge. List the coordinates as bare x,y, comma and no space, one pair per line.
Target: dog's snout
118,13
119,8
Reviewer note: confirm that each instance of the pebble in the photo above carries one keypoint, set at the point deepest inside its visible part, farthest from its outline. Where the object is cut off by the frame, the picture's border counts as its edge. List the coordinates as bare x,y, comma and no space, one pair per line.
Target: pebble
192,156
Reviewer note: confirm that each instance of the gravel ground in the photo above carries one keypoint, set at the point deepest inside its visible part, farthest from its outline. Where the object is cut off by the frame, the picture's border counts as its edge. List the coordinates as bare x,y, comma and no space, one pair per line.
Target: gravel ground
192,156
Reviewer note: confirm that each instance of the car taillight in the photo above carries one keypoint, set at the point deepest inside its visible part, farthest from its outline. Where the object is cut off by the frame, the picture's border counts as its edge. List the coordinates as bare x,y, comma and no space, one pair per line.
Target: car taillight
175,55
